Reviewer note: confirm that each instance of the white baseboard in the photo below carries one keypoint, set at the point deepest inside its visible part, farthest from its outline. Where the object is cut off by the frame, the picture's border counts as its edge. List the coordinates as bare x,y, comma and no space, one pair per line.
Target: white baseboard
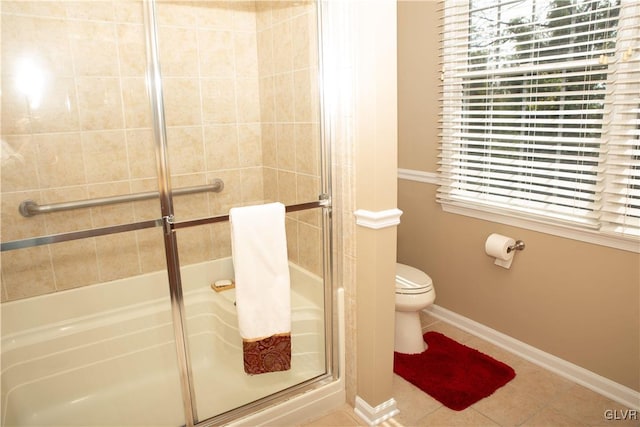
575,373
374,416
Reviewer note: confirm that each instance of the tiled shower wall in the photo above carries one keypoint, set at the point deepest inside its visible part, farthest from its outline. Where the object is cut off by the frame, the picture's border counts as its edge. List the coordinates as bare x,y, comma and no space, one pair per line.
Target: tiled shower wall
239,84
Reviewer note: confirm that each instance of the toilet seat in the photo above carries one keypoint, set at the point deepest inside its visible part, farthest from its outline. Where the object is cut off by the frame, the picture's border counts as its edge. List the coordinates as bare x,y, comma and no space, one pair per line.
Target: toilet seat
410,280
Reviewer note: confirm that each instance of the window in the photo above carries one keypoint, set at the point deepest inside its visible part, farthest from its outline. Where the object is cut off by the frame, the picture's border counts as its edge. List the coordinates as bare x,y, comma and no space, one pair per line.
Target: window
541,112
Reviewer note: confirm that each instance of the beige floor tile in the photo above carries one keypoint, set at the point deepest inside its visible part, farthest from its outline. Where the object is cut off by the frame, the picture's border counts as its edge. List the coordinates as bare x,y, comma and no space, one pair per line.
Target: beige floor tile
446,417
552,417
412,402
539,383
591,408
509,405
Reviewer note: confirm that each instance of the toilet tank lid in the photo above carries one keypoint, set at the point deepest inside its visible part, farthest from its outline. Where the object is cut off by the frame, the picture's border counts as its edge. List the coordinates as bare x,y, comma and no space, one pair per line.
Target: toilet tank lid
411,276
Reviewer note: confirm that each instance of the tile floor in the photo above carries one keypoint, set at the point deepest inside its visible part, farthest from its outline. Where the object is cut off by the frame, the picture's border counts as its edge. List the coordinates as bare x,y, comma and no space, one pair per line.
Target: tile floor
535,397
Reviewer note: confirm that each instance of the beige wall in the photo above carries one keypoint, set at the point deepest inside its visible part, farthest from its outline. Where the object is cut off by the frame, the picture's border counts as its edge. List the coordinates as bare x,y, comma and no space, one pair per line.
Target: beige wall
238,82
577,301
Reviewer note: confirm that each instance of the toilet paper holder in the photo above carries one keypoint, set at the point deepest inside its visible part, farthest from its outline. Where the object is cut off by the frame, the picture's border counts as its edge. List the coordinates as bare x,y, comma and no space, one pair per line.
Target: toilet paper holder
518,246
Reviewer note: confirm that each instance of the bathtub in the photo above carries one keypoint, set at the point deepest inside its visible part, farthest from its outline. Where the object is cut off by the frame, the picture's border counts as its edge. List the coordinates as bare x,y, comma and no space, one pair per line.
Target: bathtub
105,354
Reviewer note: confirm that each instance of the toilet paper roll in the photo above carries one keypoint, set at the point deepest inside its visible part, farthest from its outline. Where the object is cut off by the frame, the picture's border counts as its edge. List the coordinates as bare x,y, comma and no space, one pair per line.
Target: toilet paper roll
497,246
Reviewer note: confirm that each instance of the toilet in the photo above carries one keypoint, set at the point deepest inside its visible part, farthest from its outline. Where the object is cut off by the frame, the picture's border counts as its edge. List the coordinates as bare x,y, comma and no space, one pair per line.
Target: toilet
414,292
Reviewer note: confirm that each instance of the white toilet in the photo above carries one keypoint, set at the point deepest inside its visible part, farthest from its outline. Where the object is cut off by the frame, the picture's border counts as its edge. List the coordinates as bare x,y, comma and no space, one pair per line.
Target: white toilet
414,291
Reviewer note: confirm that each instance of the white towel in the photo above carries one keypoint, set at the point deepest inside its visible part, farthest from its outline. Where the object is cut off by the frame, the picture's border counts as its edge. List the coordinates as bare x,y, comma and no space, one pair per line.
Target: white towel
263,301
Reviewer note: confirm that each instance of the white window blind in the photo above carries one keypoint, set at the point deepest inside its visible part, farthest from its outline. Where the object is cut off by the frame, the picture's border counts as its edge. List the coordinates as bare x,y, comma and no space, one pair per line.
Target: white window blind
541,111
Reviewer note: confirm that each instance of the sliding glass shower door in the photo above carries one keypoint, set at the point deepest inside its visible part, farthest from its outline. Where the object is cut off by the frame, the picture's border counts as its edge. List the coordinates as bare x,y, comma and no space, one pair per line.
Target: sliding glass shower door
241,105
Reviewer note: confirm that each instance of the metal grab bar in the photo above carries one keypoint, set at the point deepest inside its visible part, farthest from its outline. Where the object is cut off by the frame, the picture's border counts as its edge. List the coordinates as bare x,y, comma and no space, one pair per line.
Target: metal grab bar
30,208
324,202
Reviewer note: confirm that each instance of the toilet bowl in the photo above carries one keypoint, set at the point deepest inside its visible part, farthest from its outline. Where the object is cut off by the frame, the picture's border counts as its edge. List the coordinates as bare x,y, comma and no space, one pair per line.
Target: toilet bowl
414,292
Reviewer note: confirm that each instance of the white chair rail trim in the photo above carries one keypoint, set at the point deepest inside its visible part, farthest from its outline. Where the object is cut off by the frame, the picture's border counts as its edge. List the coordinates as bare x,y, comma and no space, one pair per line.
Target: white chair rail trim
378,219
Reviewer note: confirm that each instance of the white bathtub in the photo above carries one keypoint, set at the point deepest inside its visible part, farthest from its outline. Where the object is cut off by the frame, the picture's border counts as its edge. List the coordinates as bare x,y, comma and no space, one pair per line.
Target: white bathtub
105,355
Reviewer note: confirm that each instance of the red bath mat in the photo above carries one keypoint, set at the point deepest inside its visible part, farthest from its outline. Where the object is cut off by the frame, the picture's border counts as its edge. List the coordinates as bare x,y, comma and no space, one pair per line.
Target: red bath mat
455,375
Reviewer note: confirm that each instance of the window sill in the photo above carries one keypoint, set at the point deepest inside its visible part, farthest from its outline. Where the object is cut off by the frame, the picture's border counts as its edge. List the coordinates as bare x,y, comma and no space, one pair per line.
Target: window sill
564,231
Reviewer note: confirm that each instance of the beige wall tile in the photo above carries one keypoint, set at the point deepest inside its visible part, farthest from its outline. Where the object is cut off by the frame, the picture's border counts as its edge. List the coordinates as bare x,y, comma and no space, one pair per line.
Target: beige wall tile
248,100
54,109
302,96
186,150
14,225
218,101
43,40
286,148
117,256
36,8
177,13
270,184
100,103
265,49
19,163
195,244
307,143
129,11
286,187
146,209
216,52
232,194
267,99
66,221
95,10
182,101
190,206
221,240
280,11
121,213
301,47
244,15
263,14
137,111
307,188
16,118
141,153
245,45
221,147
132,50
151,249
218,14
105,156
60,159
249,145
30,274
284,97
74,263
269,146
178,51
94,47
252,185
